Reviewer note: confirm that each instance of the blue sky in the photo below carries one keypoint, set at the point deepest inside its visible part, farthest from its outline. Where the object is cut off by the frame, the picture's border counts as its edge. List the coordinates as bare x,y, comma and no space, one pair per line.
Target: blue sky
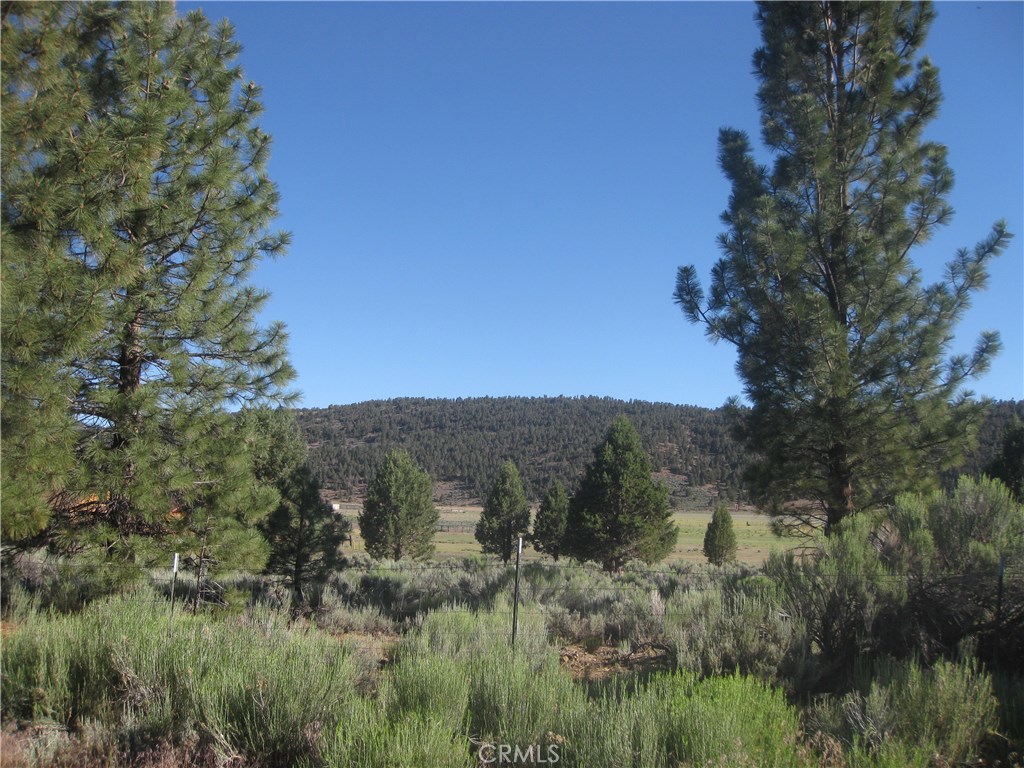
493,199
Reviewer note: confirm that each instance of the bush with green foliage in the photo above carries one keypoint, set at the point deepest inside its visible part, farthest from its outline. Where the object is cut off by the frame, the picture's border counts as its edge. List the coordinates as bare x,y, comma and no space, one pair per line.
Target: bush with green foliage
722,630
923,580
950,549
846,600
903,708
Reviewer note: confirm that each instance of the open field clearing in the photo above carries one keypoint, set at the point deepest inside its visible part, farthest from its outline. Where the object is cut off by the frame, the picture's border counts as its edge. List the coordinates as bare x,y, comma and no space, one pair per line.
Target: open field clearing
455,539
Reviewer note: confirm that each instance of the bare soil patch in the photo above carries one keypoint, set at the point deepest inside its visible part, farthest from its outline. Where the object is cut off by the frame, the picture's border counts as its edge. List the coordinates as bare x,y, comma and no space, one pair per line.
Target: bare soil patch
608,661
378,646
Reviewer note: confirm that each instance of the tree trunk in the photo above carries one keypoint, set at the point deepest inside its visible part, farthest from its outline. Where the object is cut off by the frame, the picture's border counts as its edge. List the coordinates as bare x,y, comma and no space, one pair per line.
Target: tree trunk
839,502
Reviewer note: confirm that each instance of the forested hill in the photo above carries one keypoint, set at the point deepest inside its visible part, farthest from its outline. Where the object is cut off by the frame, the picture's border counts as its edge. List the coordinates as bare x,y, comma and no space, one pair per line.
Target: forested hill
463,442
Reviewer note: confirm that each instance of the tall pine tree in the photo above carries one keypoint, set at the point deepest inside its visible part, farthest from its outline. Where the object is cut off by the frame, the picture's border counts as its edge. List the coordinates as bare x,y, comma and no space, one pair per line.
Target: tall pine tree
619,513
135,207
843,352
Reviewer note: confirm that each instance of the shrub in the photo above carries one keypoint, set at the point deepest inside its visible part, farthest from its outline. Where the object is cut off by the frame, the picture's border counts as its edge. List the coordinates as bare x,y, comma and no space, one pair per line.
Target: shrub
366,738
719,631
950,546
679,719
621,728
904,708
250,687
1009,690
336,615
736,719
514,696
847,602
268,698
435,687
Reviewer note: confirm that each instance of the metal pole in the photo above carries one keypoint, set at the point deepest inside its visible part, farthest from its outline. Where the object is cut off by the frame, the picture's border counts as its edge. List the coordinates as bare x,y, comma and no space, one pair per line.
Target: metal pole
515,595
999,606
174,584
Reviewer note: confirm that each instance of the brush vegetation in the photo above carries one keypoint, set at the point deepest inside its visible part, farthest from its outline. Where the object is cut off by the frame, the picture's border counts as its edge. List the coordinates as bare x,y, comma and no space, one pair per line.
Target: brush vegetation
870,651
121,680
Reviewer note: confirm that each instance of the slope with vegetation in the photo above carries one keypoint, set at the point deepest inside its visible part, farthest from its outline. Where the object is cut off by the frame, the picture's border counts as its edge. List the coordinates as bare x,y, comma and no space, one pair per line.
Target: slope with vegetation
463,442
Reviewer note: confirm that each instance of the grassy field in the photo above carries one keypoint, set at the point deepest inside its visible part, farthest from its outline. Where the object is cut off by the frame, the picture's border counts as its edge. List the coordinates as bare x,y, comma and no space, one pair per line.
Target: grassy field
455,539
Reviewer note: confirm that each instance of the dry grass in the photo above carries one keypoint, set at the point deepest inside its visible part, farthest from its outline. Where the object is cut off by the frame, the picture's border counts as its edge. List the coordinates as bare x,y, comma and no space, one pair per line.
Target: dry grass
95,746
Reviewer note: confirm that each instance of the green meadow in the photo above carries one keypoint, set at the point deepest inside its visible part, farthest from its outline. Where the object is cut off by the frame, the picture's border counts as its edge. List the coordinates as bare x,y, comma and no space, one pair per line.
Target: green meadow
455,540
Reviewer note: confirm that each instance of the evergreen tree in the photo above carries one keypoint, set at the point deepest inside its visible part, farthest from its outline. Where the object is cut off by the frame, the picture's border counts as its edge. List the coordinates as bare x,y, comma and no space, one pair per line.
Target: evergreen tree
47,316
133,214
842,350
549,526
273,440
619,513
1008,466
399,518
506,514
720,538
304,534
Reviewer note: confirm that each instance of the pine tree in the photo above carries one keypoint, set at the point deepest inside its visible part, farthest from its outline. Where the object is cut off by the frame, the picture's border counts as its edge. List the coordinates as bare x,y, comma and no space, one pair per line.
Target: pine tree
506,514
720,538
47,316
549,526
302,531
399,518
1008,465
133,214
619,513
842,350
304,534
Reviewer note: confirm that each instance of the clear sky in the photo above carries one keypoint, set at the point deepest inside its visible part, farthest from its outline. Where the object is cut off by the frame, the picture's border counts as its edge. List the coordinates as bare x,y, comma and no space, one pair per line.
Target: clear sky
493,199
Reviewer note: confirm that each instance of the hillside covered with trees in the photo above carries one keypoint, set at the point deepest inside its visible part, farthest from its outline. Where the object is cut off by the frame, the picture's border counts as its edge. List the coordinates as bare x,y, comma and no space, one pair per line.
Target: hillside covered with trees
463,442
